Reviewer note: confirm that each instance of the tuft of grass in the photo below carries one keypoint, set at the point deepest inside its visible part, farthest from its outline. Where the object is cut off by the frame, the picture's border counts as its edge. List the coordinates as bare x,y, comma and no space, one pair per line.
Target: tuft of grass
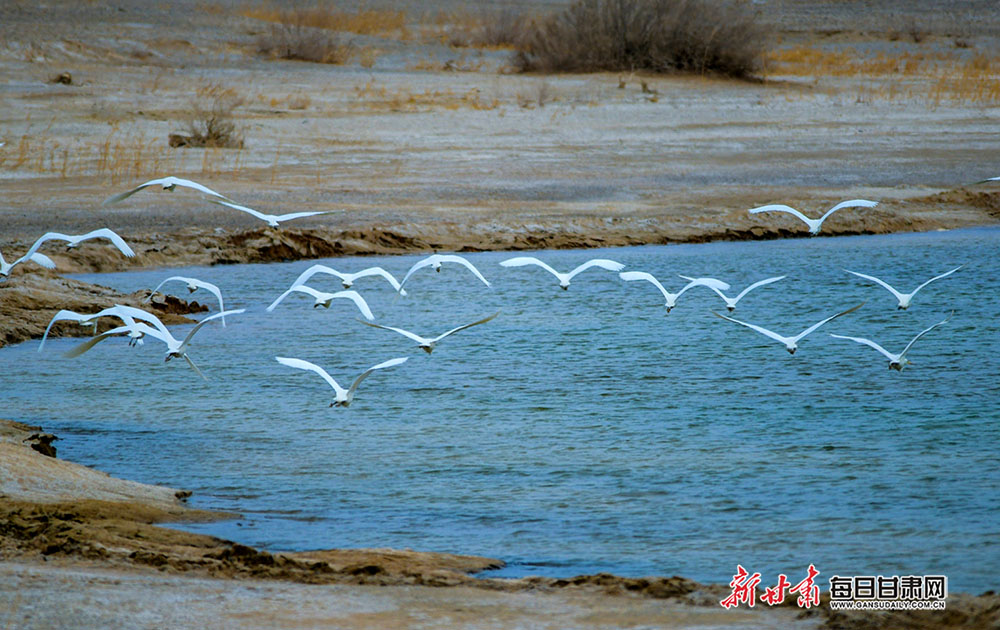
210,120
293,37
324,16
699,36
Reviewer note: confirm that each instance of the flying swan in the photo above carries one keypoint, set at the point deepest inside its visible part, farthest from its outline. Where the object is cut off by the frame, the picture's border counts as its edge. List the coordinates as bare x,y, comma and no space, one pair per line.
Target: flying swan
896,361
343,396
791,343
904,298
564,278
427,344
168,183
193,284
815,224
435,261
731,302
272,219
630,276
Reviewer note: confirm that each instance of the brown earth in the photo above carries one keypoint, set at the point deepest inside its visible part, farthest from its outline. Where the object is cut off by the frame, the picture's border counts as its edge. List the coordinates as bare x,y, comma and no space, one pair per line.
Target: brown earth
73,518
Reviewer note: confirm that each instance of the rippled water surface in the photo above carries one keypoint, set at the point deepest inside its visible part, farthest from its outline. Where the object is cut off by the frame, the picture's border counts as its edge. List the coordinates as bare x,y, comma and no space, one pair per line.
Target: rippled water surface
580,431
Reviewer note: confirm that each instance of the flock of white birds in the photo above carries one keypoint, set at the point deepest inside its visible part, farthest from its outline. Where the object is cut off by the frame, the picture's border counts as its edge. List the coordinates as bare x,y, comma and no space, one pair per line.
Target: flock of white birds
138,324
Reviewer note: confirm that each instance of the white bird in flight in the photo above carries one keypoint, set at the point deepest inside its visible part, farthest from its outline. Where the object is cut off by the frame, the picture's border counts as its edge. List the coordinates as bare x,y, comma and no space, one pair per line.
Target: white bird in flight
896,361
903,298
815,224
39,259
671,298
347,279
73,240
168,183
175,348
564,278
427,344
272,219
344,397
324,299
791,343
193,284
435,261
731,302
128,315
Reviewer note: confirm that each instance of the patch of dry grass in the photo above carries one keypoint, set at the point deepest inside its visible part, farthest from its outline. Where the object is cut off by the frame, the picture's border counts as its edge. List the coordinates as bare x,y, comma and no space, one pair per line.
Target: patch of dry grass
327,16
124,154
378,97
936,78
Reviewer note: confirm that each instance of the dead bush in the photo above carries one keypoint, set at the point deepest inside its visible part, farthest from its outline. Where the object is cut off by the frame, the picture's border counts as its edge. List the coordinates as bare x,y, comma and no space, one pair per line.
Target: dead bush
293,37
210,121
503,27
700,36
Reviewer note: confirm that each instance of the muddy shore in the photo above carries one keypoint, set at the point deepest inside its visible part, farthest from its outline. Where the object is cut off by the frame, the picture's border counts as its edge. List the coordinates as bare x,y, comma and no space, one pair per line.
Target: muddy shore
86,528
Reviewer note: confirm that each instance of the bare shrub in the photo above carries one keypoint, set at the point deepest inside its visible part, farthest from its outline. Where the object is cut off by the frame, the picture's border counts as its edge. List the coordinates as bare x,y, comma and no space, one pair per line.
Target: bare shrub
294,37
702,36
210,120
503,27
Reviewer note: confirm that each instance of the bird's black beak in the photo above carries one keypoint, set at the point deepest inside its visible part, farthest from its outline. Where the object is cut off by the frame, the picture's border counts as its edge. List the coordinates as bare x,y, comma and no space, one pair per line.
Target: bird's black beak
333,403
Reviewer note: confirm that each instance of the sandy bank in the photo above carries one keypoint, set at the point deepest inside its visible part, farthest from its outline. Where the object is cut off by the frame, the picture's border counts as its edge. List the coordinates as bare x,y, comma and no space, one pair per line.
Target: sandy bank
73,536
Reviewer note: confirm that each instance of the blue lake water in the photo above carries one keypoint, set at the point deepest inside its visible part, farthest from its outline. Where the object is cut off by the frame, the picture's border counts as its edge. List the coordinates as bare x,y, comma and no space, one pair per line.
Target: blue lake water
580,431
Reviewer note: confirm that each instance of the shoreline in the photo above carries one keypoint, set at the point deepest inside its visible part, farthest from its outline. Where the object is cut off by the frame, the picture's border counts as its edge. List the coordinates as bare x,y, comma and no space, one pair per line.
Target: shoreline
62,521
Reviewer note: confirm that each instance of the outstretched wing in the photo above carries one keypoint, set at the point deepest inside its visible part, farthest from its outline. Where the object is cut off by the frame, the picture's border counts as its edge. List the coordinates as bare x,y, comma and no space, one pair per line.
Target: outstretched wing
465,263
315,269
93,341
364,375
922,333
711,283
48,236
193,366
420,264
763,331
251,211
944,275
128,193
299,215
118,241
883,284
818,324
65,315
603,263
630,276
198,326
165,182
757,284
358,300
312,367
779,207
870,344
43,260
850,203
455,330
521,261
378,271
405,333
